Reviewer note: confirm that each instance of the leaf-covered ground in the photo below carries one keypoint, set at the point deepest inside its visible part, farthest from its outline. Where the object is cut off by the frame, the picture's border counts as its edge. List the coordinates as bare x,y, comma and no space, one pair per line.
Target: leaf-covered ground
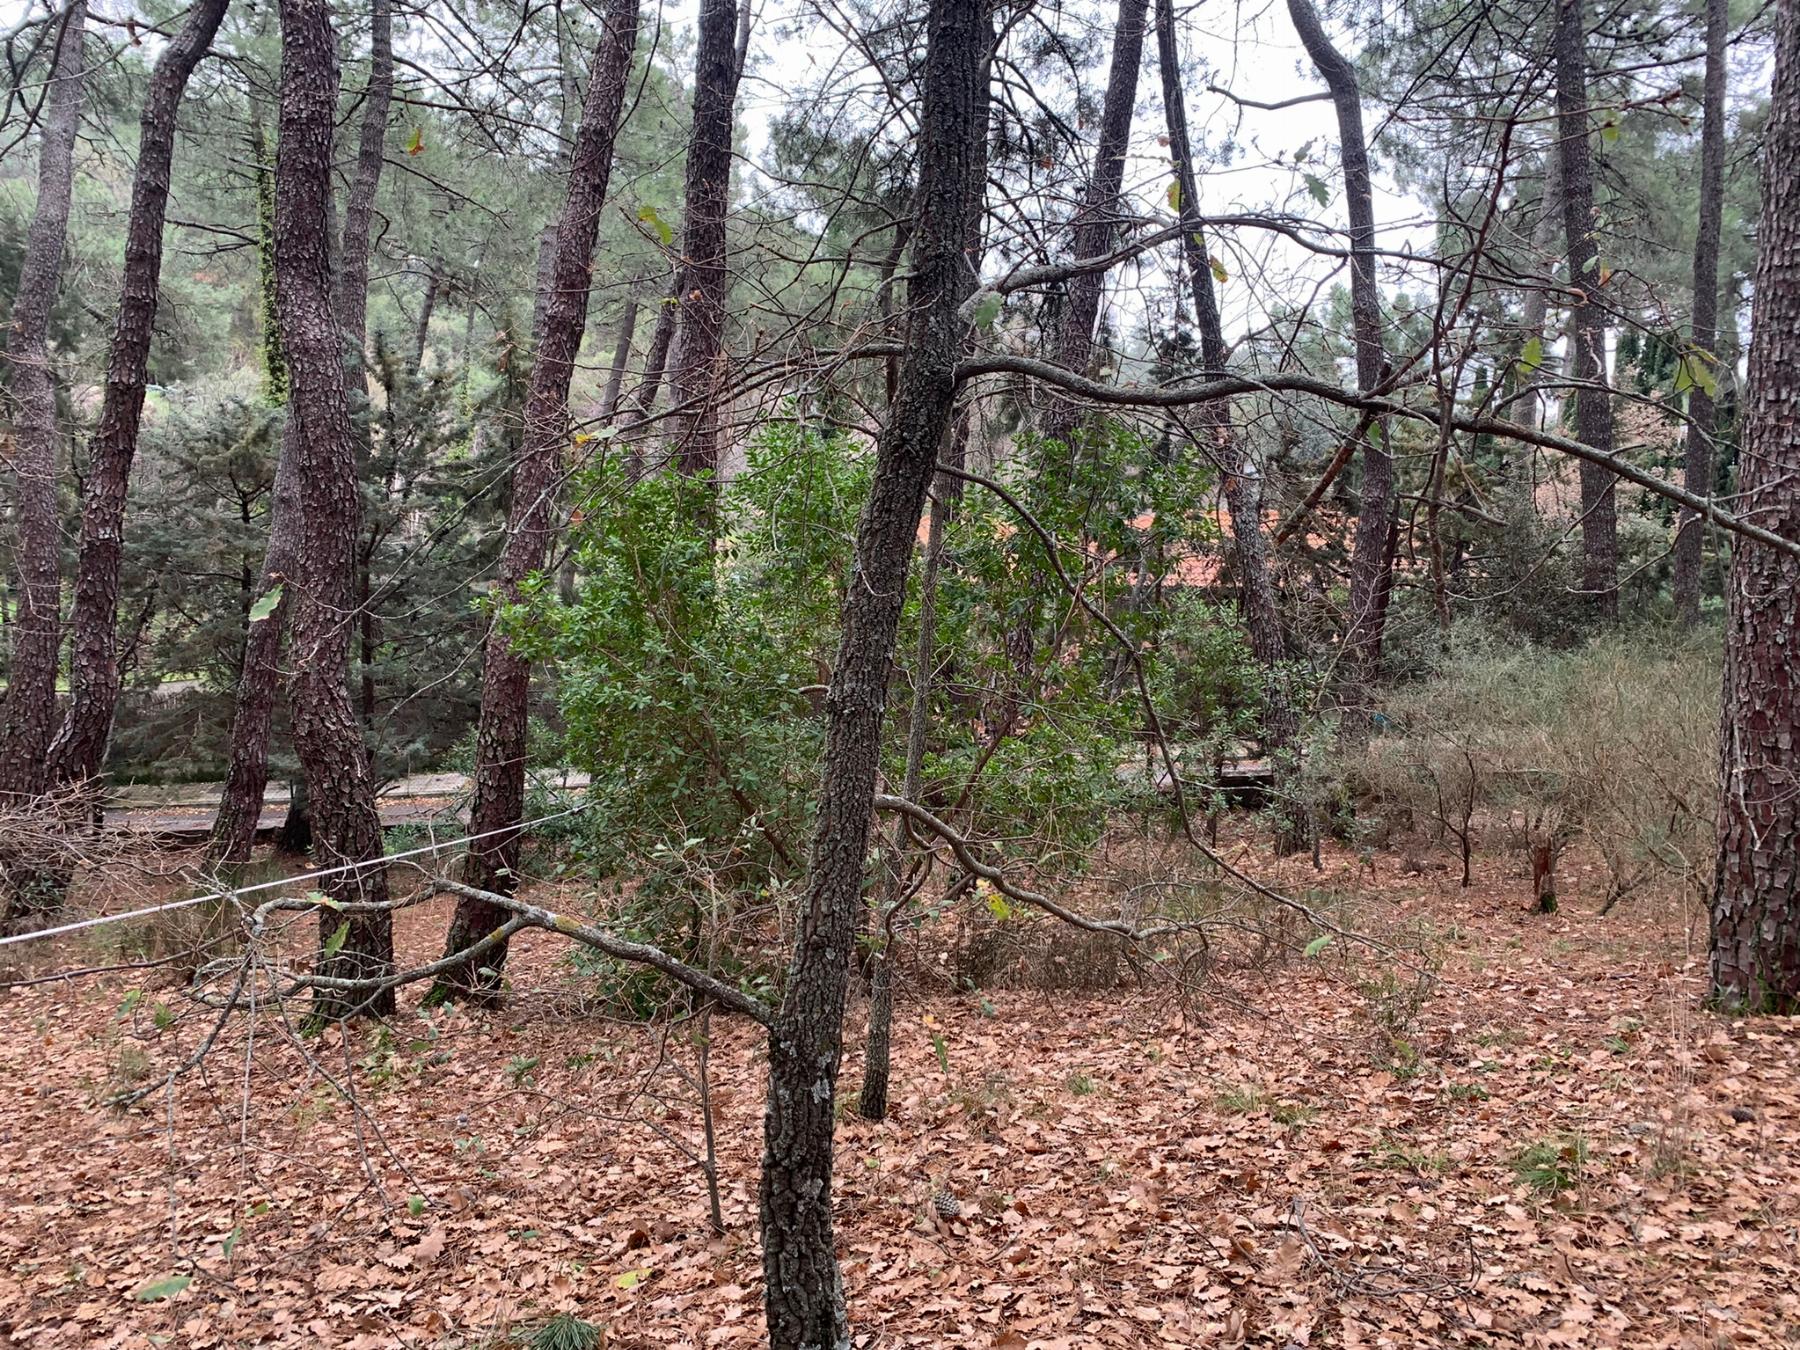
1557,1148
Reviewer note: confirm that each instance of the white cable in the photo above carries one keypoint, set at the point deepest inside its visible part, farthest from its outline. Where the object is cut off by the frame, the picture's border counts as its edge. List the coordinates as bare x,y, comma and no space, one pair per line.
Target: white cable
285,881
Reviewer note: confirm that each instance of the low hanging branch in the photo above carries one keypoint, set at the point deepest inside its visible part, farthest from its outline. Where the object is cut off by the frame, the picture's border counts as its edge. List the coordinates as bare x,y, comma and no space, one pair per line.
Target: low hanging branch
971,862
1235,386
1343,456
524,915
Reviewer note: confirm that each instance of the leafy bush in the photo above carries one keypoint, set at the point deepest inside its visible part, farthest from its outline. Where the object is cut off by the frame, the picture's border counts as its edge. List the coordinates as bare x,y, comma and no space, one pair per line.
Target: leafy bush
692,670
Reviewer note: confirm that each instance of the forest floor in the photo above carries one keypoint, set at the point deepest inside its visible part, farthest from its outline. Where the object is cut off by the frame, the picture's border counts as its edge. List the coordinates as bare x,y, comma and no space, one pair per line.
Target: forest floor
1556,1147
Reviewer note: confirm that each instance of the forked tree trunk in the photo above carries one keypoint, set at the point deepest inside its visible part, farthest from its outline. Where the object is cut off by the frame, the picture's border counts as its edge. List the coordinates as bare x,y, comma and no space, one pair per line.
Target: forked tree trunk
708,192
1756,893
1371,558
1097,219
1243,495
803,1293
247,763
28,718
340,785
1702,414
1593,401
506,674
79,750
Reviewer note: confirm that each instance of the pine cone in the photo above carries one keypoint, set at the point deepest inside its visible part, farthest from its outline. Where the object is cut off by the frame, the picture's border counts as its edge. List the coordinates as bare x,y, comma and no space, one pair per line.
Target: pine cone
946,1204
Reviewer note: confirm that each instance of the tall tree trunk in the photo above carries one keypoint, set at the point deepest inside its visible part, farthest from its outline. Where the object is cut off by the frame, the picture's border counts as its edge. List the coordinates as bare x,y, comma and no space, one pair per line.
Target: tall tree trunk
1243,484
1593,401
1096,220
28,717
259,675
352,307
872,1100
506,674
1703,360
1370,559
79,749
247,763
1756,894
803,1293
698,356
259,678
340,785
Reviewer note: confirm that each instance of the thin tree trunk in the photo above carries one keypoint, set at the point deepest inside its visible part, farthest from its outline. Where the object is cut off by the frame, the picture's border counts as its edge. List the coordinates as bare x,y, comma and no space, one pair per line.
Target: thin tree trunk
1096,220
1243,484
352,306
1756,893
427,305
568,111
872,1101
506,674
1370,558
656,359
1703,360
340,785
28,718
1546,230
698,357
615,378
803,1291
1593,401
79,749
247,762
259,675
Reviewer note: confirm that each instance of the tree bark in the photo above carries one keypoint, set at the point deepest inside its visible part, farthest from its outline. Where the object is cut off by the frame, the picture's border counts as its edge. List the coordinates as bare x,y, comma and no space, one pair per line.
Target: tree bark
1096,220
1702,415
340,784
1243,484
697,376
1756,894
803,1294
506,675
259,678
1593,401
79,749
28,718
1370,558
